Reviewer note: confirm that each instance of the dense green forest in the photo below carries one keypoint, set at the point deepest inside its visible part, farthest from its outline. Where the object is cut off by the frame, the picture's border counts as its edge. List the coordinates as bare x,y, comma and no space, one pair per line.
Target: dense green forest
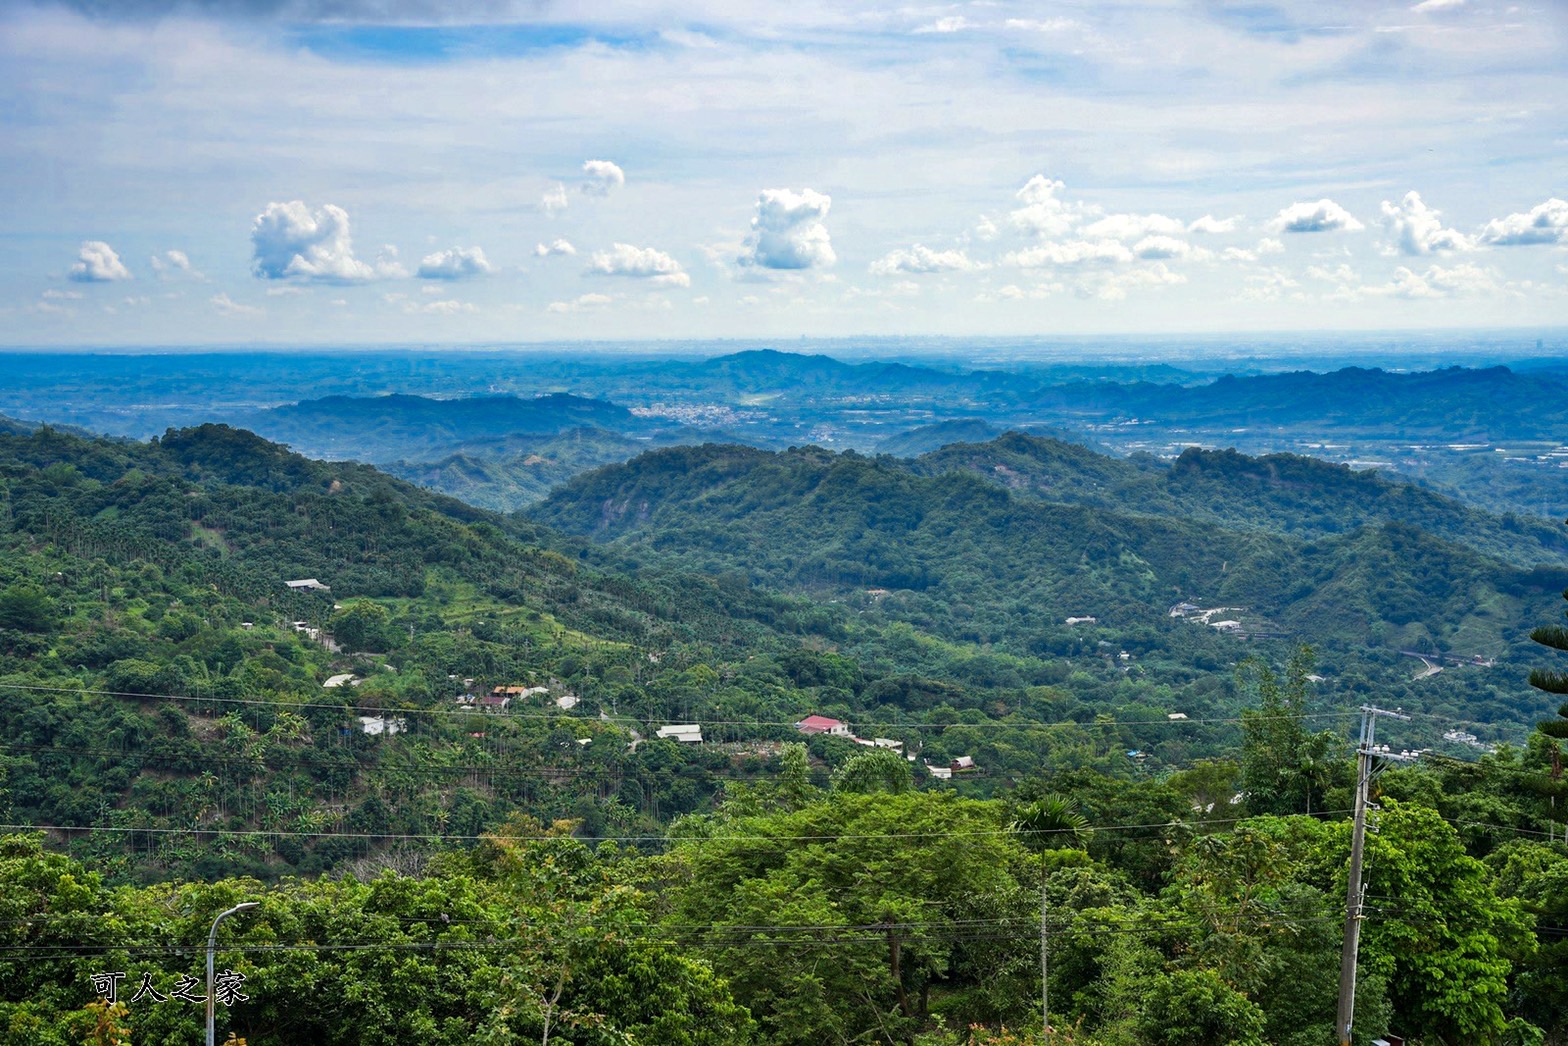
180,731
1362,568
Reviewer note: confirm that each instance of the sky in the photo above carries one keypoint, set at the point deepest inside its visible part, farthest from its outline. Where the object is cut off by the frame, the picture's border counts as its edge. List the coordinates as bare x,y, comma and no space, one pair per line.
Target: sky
342,172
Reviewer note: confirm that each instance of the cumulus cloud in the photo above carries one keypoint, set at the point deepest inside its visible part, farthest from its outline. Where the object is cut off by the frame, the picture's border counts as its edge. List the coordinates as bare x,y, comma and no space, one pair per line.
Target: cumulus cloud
387,264
1044,212
1418,228
1069,253
1341,274
922,259
580,304
600,177
554,200
1168,247
97,263
1133,226
645,263
1322,216
787,232
173,265
1437,282
1116,286
1270,285
455,263
441,308
290,241
555,247
1210,224
1545,223
229,307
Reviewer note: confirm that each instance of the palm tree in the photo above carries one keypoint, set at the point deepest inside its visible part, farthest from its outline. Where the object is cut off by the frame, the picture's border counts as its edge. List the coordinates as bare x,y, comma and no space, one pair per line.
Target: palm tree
1051,823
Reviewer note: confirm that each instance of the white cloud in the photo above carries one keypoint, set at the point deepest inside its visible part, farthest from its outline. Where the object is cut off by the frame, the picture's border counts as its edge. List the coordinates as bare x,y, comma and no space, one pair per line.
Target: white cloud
646,263
1438,282
1418,229
1072,252
581,303
688,38
787,232
1116,285
1270,285
456,263
229,307
1437,5
173,264
290,241
561,247
387,264
922,259
1210,224
1044,213
554,200
1013,292
949,24
1341,274
98,264
1035,25
600,177
1546,223
1265,246
441,308
1161,247
63,295
1133,226
1322,216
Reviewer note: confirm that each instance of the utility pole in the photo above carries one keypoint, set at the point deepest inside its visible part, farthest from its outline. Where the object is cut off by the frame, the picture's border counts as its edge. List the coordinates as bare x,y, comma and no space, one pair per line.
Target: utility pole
212,945
1045,968
1354,892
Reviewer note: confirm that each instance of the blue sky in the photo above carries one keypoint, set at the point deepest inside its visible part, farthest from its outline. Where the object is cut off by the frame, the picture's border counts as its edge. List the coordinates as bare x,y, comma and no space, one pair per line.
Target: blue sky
344,172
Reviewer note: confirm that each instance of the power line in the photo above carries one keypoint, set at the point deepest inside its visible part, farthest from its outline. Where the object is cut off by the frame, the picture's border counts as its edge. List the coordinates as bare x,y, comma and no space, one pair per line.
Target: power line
675,840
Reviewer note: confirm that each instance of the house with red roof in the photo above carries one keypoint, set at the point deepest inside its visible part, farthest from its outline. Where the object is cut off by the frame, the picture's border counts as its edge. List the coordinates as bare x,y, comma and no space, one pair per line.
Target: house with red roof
821,724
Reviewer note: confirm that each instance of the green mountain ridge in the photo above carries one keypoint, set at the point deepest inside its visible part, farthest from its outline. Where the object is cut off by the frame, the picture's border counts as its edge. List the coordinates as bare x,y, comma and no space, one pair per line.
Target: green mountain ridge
974,562
1277,493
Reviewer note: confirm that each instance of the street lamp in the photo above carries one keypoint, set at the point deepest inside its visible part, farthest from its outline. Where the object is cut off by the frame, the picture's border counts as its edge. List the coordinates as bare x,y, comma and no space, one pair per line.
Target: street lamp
212,944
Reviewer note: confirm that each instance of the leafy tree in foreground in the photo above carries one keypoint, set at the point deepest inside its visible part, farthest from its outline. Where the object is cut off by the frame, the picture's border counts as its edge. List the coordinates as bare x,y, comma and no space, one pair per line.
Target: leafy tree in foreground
1284,769
1445,939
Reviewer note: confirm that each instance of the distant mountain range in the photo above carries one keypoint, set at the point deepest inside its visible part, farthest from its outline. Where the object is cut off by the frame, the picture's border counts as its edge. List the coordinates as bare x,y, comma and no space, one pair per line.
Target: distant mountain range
397,427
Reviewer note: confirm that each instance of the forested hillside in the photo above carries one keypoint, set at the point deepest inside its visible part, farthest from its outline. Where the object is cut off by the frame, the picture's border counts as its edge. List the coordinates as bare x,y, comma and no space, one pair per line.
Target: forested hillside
185,731
1290,548
1283,494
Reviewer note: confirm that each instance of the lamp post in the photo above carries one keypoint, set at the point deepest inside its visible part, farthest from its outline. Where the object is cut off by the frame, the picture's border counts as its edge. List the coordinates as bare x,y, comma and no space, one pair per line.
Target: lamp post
212,944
